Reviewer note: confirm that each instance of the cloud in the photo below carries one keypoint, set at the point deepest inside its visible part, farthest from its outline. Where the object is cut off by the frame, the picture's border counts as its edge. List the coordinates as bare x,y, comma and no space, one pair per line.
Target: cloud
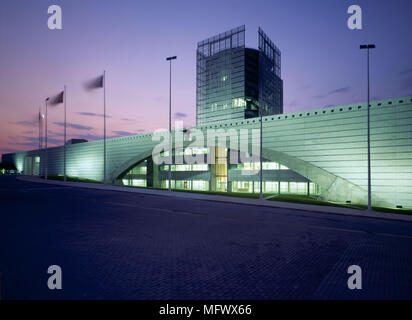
74,126
87,136
127,119
120,133
26,123
34,141
339,90
92,114
4,151
180,115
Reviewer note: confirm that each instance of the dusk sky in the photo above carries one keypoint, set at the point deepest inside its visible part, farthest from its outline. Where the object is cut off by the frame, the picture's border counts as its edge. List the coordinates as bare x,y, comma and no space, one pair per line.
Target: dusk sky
130,39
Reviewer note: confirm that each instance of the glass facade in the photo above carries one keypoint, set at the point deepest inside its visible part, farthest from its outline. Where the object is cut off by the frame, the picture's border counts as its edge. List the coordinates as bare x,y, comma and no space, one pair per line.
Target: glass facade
219,176
232,80
270,83
220,89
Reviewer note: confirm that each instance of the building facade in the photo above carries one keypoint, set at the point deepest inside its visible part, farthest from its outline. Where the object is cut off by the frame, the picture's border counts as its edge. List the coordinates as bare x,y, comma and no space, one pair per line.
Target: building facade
232,81
322,152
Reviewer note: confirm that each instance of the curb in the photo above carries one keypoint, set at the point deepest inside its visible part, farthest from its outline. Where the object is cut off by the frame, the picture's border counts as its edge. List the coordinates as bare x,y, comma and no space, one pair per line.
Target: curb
227,199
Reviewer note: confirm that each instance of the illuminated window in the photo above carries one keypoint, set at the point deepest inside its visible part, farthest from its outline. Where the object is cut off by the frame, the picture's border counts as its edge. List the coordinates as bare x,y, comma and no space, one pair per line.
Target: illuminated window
270,166
242,186
200,167
182,167
200,185
239,102
135,182
298,187
284,188
270,186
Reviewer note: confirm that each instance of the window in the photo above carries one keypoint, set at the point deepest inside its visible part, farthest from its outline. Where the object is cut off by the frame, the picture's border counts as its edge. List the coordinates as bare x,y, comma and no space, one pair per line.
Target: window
298,187
200,167
200,185
270,186
182,167
284,188
134,182
270,166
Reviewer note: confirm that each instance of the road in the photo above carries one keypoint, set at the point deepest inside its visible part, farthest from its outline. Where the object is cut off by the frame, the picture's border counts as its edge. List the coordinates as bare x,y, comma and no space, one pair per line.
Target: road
116,245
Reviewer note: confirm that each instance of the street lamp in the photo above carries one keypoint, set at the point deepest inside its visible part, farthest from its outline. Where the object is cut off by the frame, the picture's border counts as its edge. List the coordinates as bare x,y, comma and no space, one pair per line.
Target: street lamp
367,47
46,162
170,122
260,153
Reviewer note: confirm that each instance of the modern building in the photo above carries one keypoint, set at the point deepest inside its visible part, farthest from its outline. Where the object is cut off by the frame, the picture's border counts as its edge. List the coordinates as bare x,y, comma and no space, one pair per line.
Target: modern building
234,81
320,152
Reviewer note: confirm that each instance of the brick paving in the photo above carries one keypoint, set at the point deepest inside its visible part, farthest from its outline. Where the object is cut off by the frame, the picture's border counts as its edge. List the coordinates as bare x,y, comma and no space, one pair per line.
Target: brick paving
113,245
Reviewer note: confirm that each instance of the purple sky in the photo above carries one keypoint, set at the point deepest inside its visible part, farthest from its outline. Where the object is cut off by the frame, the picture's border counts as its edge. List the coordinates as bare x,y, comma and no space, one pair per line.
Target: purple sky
321,61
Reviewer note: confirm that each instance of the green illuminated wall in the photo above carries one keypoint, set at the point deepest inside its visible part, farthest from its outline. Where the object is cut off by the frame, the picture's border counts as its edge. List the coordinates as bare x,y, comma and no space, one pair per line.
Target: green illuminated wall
327,146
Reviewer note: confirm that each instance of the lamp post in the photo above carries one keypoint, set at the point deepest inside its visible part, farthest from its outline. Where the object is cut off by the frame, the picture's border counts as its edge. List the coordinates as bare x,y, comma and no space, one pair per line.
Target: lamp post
46,162
104,127
170,122
65,130
260,153
367,47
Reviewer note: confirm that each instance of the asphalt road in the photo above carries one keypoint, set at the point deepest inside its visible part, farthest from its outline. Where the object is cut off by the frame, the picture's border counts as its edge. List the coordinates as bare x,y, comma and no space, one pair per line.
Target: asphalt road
114,245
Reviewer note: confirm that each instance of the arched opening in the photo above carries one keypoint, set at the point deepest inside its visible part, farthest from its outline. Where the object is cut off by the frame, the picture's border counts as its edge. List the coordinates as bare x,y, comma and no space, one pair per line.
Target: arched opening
220,175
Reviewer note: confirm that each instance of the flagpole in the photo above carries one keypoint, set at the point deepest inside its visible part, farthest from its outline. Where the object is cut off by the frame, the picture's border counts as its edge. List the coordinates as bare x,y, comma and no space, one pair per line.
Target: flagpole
46,161
40,128
104,116
64,141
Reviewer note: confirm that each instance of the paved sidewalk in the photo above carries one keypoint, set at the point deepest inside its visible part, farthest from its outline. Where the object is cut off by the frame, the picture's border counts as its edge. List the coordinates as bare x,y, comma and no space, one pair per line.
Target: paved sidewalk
227,199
